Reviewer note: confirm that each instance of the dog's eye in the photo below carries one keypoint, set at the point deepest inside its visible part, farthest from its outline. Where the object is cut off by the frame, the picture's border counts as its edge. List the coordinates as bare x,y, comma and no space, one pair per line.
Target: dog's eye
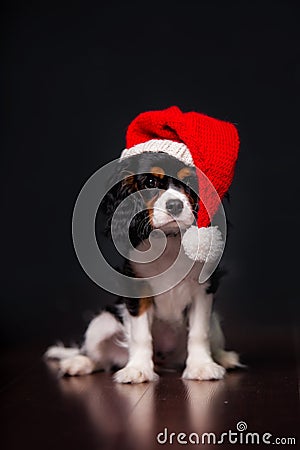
151,182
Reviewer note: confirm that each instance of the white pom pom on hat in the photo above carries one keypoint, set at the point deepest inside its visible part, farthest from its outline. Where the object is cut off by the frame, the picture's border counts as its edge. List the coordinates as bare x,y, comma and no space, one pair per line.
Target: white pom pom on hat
203,244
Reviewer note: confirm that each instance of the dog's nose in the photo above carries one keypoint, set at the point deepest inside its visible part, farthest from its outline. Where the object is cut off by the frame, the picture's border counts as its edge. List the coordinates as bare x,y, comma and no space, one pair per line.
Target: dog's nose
174,206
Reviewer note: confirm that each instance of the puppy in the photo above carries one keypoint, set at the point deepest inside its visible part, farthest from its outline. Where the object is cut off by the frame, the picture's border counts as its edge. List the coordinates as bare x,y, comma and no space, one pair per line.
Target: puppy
175,328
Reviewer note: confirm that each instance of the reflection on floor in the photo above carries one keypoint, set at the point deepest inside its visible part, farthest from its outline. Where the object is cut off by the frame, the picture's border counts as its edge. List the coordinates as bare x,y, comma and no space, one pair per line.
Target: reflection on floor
41,411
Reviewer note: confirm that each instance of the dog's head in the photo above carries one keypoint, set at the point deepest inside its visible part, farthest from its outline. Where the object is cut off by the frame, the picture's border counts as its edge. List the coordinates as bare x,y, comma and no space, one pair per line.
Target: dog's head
166,196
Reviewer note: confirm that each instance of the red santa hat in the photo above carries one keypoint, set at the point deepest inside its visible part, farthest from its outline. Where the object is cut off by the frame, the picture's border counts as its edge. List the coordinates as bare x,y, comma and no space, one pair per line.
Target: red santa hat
209,144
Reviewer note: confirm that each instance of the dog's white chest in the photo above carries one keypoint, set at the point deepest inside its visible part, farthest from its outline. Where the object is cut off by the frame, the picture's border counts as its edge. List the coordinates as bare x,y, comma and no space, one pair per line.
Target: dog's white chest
169,306
174,279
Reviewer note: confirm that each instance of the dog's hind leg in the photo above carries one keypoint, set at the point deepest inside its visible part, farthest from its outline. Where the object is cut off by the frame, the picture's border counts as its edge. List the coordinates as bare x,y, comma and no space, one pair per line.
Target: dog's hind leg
227,359
103,348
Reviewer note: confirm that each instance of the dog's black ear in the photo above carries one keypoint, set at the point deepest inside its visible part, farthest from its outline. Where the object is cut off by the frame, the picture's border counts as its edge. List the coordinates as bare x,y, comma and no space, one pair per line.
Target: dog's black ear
129,221
117,193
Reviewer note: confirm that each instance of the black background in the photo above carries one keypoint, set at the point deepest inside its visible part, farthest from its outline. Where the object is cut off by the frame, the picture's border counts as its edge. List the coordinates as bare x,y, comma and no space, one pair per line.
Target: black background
74,78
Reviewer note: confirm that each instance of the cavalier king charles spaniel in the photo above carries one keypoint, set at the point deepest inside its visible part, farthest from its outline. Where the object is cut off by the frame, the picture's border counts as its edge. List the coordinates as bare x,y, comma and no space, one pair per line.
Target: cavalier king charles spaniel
136,337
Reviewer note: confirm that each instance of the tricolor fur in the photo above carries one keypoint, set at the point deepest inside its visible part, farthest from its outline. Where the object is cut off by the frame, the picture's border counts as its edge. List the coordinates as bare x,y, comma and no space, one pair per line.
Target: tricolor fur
175,329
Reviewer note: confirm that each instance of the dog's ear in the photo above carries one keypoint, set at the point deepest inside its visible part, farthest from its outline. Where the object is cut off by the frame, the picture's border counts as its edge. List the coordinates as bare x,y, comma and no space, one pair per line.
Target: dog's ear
128,216
123,186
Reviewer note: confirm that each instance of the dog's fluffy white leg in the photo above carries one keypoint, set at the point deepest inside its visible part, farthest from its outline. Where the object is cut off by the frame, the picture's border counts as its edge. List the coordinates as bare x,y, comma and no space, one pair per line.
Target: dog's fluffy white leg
140,364
105,342
101,349
61,352
199,363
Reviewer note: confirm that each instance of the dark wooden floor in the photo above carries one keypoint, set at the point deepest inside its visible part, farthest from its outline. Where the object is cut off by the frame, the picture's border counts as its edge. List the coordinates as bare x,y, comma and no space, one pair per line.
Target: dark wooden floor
40,411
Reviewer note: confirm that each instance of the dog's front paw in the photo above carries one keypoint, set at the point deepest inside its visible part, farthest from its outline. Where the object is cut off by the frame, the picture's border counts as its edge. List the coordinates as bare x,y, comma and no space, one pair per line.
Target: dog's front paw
77,365
206,371
135,375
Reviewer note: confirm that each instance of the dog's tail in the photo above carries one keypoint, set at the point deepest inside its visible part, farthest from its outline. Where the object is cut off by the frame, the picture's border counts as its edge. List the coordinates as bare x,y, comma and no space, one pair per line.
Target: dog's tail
61,352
